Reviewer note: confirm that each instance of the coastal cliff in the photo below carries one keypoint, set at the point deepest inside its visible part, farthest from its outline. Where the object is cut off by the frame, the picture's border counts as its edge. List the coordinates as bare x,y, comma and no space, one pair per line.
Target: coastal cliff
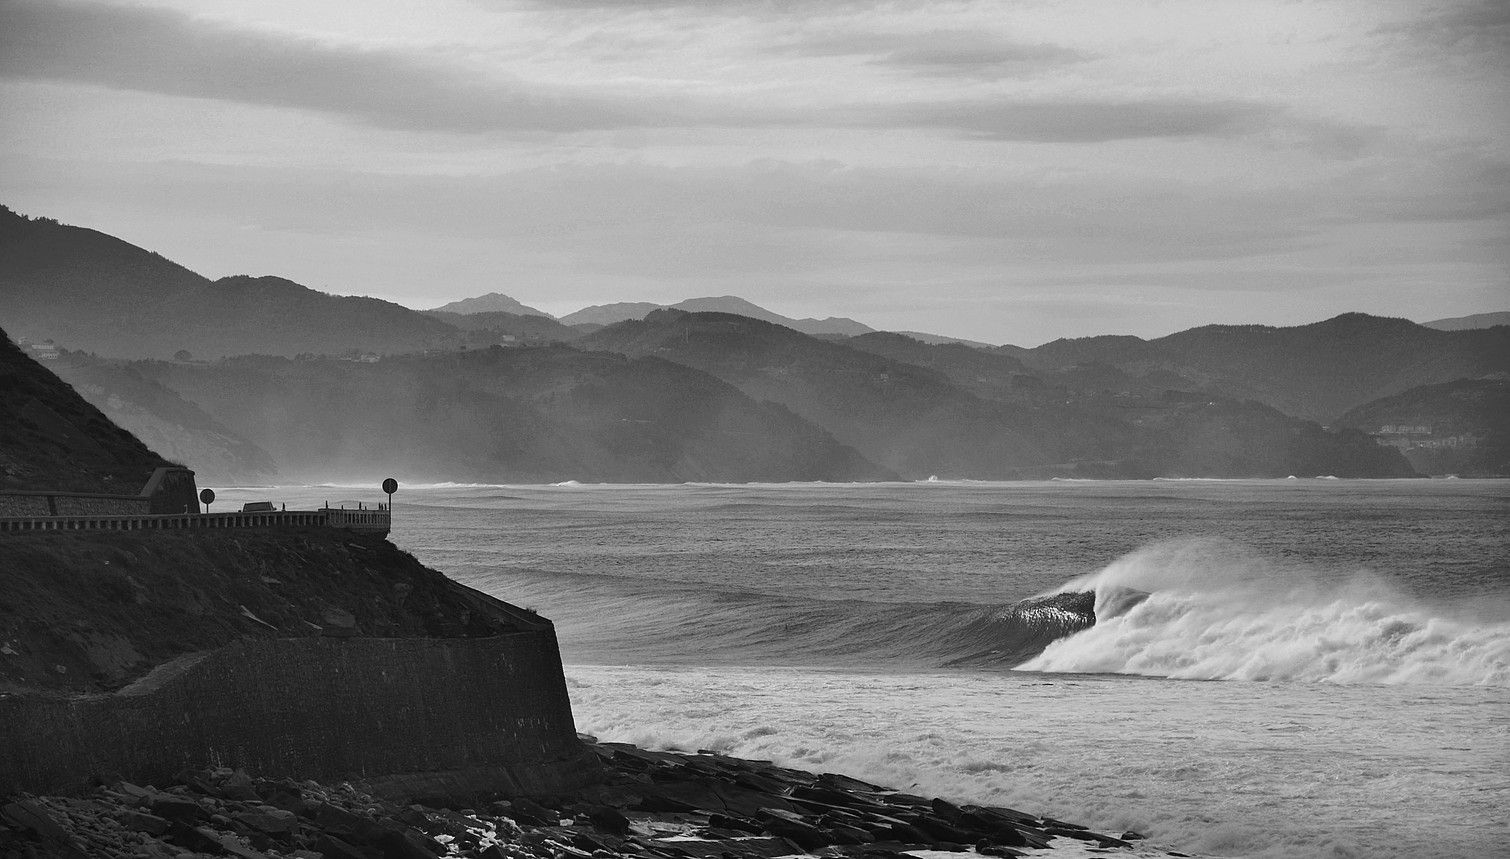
299,652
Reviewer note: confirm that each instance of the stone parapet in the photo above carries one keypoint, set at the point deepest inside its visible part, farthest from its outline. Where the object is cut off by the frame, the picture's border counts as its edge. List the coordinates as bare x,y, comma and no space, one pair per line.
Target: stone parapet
362,521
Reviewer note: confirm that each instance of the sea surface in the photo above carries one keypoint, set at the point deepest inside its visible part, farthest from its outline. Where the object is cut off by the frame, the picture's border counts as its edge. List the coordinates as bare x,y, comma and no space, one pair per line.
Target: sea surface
1276,668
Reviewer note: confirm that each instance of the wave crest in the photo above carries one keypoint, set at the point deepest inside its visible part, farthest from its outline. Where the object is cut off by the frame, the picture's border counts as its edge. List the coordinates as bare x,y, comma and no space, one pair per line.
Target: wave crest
1216,612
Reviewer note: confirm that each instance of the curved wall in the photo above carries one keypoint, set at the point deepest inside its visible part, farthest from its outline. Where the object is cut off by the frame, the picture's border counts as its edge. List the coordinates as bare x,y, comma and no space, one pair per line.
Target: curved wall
494,709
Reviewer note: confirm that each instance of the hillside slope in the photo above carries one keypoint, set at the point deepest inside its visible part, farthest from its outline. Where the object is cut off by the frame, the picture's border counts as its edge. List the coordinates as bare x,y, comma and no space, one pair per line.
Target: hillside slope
487,327
90,291
905,417
1315,371
1477,320
1460,427
94,610
543,414
165,420
950,410
51,438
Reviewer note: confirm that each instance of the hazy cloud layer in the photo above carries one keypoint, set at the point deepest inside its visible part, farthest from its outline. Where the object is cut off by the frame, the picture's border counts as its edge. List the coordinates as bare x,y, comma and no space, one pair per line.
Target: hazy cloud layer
939,52
160,51
168,52
1000,171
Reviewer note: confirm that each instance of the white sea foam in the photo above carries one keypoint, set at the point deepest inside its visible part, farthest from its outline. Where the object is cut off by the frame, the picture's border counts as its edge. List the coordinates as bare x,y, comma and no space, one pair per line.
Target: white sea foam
1215,769
1217,612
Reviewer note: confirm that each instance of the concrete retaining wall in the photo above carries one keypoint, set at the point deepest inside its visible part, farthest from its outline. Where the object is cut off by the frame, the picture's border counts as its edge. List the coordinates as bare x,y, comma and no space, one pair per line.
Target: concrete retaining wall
494,708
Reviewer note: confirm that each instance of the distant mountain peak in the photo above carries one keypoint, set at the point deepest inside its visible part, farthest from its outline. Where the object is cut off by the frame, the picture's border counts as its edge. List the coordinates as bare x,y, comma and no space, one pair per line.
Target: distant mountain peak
608,314
493,302
1464,323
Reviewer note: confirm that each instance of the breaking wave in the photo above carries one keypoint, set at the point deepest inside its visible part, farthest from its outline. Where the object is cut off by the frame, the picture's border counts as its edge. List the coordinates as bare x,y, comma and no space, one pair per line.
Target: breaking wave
1200,610
1216,612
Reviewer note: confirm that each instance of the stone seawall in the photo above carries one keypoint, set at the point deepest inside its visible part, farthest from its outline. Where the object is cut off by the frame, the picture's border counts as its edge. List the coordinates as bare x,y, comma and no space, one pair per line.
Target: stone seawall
71,504
487,711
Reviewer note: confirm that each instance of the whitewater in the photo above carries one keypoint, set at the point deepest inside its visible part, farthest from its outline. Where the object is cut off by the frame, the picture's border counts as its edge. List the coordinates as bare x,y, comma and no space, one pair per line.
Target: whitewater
1233,668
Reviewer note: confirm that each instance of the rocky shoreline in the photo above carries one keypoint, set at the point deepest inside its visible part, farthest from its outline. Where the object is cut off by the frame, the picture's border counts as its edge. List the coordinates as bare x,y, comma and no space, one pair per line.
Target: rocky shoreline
651,805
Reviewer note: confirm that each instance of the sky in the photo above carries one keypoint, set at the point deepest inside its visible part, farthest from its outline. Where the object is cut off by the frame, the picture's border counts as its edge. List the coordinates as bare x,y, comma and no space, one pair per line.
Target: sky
1008,172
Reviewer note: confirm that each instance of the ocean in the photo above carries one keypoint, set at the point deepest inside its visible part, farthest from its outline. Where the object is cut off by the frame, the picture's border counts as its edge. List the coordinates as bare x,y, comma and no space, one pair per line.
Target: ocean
1232,668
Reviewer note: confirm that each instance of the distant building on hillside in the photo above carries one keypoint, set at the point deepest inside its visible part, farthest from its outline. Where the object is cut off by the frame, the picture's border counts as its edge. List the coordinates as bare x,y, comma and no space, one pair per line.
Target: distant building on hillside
44,351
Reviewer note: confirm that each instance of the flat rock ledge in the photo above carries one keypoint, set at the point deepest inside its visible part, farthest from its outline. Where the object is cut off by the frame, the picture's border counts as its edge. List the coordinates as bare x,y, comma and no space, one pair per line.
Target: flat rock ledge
651,805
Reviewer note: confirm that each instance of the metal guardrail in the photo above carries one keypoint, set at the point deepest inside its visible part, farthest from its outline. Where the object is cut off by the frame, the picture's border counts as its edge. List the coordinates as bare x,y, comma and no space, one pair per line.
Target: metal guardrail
362,521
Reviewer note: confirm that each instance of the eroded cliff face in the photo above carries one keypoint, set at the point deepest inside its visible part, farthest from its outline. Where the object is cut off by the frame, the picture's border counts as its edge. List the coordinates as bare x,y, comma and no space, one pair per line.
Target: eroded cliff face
93,611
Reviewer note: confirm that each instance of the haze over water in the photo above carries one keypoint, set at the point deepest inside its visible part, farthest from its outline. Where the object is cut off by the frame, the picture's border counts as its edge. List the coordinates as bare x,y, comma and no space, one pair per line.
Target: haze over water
1359,632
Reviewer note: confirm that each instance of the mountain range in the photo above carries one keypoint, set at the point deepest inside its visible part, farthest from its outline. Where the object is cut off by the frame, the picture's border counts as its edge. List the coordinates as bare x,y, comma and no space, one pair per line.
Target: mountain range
694,392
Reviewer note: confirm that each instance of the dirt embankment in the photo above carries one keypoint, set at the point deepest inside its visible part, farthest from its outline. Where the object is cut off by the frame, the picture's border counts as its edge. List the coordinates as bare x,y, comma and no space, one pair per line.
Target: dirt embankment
93,611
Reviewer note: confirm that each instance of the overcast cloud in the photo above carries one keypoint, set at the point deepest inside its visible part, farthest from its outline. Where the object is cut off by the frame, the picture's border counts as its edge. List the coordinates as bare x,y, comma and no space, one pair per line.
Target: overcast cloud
1003,172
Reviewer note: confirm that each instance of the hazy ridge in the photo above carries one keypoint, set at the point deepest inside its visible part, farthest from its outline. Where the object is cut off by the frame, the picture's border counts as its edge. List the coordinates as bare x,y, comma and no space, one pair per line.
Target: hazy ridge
691,395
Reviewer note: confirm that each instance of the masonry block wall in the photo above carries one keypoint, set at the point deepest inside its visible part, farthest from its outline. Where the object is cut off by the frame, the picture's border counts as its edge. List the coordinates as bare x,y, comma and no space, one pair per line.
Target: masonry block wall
65,504
84,505
314,708
16,504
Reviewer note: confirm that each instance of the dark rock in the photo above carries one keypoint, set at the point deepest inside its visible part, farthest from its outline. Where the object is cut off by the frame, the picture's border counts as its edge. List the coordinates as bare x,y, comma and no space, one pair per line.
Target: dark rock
738,824
202,839
332,847
140,793
237,786
596,841
938,830
824,795
792,826
140,821
845,834
845,783
906,799
1007,836
270,820
1034,838
408,844
906,832
1064,832
338,623
757,782
333,816
736,799
1131,835
1001,813
30,815
526,810
285,796
946,810
177,809
997,850
610,819
1060,824
657,801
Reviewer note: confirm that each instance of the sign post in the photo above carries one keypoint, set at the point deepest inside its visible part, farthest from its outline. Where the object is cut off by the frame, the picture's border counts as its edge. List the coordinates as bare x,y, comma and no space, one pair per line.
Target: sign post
390,486
207,495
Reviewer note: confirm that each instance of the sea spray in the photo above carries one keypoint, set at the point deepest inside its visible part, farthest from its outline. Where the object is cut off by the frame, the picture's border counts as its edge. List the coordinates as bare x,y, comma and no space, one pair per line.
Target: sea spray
1219,612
